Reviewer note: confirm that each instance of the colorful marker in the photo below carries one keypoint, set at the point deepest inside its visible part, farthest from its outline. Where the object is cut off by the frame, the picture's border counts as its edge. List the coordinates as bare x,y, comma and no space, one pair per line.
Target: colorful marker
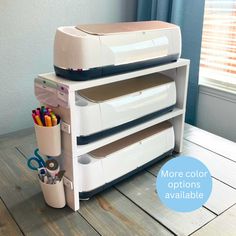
48,120
44,116
33,116
38,111
54,120
38,120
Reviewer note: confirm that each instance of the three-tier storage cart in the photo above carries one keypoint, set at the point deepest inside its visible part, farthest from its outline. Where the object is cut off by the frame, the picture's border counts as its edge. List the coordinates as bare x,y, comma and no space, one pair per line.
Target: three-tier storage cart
61,95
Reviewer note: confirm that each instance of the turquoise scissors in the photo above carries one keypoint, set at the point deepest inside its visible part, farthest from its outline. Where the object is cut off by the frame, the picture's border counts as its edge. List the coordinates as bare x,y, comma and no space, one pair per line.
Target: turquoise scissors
36,162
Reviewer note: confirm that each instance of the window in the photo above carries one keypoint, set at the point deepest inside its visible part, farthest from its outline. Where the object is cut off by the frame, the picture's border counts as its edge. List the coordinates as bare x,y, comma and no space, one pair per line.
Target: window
218,53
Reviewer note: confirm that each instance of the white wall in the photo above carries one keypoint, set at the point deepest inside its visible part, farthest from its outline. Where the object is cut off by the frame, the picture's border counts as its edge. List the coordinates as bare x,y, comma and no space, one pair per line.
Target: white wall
217,112
27,29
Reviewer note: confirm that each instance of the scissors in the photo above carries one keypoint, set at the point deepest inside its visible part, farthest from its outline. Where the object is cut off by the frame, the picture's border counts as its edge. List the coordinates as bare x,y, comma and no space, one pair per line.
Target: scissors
37,159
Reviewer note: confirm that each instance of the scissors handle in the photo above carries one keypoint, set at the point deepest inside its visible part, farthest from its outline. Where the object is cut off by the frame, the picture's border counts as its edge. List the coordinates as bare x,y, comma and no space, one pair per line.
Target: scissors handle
34,163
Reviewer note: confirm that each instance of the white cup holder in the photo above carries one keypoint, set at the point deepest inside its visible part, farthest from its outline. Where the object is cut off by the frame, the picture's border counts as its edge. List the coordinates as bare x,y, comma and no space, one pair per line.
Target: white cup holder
54,194
48,139
84,160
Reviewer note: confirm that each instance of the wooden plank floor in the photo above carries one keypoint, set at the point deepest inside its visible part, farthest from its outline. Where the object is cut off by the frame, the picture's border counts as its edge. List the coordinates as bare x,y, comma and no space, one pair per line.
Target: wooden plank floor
129,208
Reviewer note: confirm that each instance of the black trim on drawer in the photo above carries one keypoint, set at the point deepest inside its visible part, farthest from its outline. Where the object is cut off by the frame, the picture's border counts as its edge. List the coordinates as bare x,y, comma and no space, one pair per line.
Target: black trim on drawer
81,140
87,195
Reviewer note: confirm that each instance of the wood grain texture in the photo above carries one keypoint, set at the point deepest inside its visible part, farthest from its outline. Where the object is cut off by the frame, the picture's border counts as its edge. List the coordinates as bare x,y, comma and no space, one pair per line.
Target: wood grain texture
104,221
27,148
222,197
211,141
7,225
221,168
141,190
223,225
17,138
21,193
219,190
111,213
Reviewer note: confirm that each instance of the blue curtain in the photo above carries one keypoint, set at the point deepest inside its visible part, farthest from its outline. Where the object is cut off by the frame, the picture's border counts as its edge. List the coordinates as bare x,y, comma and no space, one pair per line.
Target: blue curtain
188,14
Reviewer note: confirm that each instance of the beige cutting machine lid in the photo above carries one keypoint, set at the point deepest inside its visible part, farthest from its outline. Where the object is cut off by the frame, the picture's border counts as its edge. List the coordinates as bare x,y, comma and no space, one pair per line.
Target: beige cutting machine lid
104,151
110,91
124,27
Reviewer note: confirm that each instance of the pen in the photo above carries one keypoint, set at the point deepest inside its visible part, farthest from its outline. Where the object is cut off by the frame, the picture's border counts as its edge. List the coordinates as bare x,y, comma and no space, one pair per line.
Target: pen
44,116
45,180
42,119
45,111
54,120
38,111
41,174
42,109
38,120
60,174
49,110
33,116
41,114
48,120
58,119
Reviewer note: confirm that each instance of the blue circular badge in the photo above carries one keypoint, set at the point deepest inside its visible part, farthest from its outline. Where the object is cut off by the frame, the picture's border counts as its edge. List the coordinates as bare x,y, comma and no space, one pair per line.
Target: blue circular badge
184,184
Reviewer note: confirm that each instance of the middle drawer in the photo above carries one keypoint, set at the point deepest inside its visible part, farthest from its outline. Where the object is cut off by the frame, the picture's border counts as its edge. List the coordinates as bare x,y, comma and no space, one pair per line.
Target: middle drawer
107,109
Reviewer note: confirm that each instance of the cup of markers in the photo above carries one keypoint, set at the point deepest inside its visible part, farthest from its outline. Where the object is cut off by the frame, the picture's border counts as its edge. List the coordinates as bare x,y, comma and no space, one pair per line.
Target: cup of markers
47,131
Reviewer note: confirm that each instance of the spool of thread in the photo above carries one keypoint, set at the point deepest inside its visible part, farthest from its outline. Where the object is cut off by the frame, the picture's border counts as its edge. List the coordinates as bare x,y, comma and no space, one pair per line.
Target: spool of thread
52,167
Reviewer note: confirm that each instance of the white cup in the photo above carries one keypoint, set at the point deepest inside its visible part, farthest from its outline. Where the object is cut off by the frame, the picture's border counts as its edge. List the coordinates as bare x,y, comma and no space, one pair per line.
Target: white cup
54,194
48,139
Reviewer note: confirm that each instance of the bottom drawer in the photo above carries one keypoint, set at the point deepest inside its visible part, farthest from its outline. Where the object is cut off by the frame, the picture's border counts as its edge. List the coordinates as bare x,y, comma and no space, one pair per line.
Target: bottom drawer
109,164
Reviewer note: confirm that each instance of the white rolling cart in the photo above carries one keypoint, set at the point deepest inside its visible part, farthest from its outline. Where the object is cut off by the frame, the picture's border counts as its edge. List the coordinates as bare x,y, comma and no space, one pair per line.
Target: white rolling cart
64,100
